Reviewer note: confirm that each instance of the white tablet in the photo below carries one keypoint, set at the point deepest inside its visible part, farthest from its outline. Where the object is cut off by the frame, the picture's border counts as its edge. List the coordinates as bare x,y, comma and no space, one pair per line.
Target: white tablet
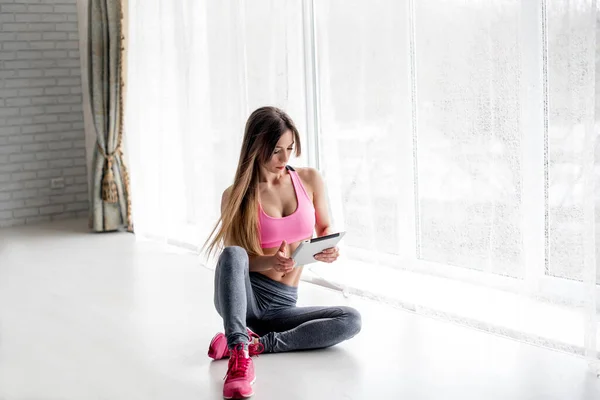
304,253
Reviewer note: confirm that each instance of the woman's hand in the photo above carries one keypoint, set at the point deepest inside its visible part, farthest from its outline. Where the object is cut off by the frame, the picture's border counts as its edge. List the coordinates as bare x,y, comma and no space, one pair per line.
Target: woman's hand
281,262
328,255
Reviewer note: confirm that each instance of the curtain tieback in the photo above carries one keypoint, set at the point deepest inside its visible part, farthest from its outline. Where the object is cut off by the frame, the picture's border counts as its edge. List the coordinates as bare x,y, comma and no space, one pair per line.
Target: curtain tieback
109,187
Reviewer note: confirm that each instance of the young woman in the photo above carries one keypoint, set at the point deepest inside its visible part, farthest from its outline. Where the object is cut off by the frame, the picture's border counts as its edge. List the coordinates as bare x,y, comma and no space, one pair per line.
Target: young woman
270,208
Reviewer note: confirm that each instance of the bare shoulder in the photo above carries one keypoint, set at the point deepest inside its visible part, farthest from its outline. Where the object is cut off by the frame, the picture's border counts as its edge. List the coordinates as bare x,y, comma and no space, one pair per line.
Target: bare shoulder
227,193
308,174
225,196
311,177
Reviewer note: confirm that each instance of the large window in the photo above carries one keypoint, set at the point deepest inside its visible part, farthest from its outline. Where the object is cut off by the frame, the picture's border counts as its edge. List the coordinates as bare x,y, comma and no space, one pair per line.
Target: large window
462,149
460,140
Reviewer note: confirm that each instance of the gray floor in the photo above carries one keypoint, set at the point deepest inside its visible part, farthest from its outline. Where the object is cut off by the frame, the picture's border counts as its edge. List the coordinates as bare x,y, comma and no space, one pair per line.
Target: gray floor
101,316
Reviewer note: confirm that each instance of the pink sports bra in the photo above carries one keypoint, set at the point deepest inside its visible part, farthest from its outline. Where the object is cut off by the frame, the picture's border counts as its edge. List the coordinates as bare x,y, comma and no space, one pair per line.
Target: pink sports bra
294,227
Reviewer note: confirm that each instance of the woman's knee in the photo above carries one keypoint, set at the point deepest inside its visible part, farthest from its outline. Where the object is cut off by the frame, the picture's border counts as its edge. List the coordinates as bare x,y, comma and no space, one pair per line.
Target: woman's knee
233,258
353,321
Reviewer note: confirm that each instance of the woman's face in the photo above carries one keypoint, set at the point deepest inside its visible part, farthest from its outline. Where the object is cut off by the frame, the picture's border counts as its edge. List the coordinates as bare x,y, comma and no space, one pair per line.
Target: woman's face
282,152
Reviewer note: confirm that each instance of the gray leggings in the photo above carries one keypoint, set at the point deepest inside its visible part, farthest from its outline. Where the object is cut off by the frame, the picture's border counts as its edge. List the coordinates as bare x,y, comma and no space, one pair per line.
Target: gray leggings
268,307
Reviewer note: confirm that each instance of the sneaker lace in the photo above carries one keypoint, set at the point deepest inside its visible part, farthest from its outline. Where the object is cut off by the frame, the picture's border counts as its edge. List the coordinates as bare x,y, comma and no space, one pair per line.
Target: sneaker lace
238,363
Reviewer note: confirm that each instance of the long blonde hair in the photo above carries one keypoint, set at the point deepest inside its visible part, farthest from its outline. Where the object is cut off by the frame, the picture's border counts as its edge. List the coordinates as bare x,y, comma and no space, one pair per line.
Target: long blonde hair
238,223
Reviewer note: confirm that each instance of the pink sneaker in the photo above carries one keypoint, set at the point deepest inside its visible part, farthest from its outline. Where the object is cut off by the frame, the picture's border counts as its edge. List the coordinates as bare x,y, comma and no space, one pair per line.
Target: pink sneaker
218,346
240,375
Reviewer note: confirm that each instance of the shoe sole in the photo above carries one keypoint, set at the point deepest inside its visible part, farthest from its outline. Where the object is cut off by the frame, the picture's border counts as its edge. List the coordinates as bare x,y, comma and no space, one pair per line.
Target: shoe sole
212,351
238,395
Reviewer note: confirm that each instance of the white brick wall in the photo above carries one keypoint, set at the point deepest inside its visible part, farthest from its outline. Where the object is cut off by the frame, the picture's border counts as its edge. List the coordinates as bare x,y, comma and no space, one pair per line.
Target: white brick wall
41,119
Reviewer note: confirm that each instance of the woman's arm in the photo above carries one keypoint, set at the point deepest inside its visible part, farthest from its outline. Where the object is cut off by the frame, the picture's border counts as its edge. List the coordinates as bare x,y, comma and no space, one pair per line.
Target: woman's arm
279,261
323,222
323,225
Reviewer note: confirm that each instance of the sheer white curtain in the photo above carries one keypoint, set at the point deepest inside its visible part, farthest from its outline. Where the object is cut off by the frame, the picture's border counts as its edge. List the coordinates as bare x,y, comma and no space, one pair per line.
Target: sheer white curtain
457,140
197,69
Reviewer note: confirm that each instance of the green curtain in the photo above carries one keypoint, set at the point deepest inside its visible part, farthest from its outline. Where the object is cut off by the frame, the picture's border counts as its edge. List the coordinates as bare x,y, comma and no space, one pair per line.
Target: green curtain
110,206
